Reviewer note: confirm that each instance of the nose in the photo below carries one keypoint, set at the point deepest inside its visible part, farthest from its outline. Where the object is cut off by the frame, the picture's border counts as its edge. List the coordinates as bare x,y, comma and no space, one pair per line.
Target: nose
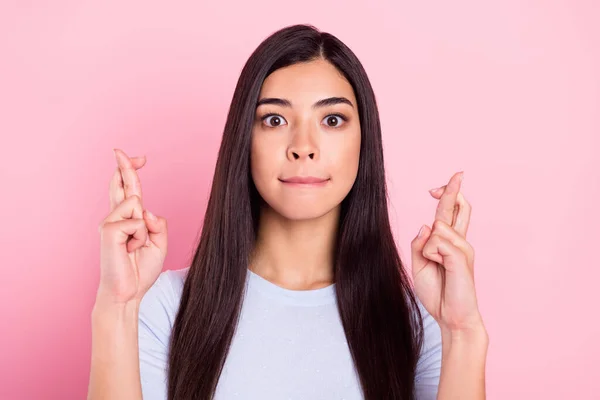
303,146
297,154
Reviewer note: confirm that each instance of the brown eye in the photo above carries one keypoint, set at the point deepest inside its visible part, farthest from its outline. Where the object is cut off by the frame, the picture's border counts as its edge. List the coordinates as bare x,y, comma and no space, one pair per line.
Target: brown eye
334,120
274,120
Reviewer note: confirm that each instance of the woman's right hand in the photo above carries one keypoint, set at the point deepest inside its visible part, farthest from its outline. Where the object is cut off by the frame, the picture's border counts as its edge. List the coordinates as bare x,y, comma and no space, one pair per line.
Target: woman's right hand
133,243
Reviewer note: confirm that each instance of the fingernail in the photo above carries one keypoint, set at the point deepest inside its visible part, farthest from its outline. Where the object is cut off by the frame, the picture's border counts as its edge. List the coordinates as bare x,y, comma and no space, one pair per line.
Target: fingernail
435,190
462,176
421,231
150,215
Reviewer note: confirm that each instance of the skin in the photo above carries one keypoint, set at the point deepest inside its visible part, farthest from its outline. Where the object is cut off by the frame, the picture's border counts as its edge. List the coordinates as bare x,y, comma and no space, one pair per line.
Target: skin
443,262
296,235
298,224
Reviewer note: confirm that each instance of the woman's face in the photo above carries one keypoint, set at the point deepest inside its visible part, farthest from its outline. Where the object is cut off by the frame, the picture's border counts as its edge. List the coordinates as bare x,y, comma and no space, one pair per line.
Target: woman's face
306,127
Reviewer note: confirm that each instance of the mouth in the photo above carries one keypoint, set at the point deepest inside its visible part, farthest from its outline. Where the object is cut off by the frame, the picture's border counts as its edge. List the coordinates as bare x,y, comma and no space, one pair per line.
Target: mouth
304,181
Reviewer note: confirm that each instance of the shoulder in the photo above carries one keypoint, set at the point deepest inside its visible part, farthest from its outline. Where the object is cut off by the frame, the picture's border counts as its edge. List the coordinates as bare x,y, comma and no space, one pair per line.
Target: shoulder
432,332
157,313
160,304
166,290
430,360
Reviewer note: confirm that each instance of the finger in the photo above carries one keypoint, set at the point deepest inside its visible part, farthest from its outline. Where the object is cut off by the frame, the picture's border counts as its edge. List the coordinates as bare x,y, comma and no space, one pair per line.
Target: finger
128,208
443,252
131,181
437,192
445,208
416,247
119,233
116,193
449,233
458,281
462,216
157,230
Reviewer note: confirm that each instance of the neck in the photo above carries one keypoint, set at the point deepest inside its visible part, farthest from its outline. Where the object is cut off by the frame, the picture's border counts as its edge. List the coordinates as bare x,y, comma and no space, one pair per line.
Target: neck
297,255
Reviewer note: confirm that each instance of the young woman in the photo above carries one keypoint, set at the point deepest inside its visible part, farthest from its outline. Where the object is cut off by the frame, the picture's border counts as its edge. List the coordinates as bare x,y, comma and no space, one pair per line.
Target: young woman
296,289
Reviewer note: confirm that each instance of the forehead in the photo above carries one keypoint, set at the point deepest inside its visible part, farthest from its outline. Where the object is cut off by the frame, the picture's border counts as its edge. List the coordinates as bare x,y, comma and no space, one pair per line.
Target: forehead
305,83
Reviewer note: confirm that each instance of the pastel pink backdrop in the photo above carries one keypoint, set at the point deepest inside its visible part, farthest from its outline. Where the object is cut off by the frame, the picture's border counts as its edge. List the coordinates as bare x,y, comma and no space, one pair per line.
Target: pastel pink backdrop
508,92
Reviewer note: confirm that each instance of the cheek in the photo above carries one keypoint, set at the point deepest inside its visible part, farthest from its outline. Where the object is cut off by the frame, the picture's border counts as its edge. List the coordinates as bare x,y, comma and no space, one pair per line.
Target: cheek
343,153
264,160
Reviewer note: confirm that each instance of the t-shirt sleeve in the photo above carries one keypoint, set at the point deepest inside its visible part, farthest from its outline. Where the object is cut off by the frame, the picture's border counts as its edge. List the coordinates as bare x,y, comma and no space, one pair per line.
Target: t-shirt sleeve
427,376
156,316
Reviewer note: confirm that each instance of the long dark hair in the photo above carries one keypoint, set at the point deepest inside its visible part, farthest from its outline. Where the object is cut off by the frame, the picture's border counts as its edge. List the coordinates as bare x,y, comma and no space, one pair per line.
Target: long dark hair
376,303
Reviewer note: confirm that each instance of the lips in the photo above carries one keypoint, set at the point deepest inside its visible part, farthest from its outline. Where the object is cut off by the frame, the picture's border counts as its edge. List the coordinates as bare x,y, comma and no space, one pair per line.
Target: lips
304,180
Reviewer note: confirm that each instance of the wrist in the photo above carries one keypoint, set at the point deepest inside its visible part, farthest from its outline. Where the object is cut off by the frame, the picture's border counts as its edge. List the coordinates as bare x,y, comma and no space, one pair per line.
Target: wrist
107,307
472,329
468,342
475,334
114,329
464,354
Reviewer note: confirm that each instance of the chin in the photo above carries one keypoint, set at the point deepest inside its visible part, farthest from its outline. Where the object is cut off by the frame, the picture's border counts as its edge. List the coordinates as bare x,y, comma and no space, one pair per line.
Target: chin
300,212
302,215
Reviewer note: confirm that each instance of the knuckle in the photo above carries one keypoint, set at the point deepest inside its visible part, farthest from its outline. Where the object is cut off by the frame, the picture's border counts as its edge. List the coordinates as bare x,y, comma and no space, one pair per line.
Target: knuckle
471,253
130,185
468,205
102,226
414,240
117,179
430,246
113,181
135,200
470,249
428,250
413,244
105,229
434,239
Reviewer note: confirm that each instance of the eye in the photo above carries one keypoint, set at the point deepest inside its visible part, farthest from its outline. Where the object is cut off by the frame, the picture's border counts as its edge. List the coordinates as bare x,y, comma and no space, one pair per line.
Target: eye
335,120
273,120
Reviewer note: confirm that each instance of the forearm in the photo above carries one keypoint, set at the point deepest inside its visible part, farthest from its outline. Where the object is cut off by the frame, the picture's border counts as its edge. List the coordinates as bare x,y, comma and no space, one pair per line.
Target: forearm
463,365
115,372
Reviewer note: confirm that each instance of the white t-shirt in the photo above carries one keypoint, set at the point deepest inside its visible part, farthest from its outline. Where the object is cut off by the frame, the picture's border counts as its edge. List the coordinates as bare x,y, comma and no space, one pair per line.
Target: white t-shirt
289,344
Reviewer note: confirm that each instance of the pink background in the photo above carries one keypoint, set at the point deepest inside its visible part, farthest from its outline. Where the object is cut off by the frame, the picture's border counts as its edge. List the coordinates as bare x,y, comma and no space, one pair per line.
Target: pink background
508,92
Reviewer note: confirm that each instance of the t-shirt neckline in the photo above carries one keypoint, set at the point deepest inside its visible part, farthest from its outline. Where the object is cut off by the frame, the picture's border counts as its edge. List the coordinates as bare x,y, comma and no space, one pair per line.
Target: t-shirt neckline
321,296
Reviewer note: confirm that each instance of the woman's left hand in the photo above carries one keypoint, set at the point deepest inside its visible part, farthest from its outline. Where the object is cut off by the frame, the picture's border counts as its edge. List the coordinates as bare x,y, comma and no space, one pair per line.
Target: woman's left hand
443,261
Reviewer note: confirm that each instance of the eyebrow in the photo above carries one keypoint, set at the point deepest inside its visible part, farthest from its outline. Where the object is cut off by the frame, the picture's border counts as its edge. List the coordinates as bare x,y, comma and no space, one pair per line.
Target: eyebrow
330,101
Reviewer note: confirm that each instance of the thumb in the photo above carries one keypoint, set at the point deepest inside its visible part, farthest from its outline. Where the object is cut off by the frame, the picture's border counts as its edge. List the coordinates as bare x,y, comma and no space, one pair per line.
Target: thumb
416,247
157,230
